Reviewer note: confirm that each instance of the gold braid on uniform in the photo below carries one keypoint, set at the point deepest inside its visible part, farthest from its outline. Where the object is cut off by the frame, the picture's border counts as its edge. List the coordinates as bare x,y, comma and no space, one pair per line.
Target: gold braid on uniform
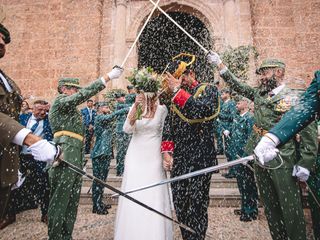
200,120
183,65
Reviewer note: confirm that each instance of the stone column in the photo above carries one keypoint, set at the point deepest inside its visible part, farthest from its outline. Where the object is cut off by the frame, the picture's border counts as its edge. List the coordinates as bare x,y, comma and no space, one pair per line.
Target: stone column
230,23
120,49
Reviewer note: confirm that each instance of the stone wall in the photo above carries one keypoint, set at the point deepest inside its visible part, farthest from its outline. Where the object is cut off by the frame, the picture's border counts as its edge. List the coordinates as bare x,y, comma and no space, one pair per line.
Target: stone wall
288,29
85,38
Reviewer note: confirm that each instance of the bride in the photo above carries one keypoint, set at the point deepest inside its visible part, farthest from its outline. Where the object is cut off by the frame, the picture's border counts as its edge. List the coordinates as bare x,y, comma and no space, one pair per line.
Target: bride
143,166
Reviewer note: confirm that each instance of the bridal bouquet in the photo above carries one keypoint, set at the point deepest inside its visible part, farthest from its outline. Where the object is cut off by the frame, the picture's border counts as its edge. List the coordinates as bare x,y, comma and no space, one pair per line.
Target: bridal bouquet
144,80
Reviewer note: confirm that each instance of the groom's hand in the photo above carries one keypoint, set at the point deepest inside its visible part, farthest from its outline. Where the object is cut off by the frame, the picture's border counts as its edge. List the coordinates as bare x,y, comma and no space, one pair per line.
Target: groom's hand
167,161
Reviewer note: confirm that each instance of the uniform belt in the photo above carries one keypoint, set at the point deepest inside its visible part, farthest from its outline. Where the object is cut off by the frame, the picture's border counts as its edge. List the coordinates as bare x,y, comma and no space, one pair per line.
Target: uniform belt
69,134
259,130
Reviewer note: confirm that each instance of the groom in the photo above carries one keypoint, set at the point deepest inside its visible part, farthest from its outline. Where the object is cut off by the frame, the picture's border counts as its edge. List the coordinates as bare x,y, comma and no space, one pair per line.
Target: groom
188,145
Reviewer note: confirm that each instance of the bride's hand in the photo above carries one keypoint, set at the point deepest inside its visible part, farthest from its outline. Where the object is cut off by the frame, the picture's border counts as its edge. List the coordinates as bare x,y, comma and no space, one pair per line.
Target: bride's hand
140,99
167,161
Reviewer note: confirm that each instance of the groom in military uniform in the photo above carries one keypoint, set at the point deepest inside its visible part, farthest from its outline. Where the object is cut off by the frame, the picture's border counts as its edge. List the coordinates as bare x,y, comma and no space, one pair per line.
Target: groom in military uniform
278,189
67,127
188,142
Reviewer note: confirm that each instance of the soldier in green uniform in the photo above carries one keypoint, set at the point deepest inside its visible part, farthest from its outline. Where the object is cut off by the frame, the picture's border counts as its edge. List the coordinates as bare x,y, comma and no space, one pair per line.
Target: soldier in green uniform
13,134
308,148
102,153
314,198
291,123
67,127
227,113
122,138
278,189
239,134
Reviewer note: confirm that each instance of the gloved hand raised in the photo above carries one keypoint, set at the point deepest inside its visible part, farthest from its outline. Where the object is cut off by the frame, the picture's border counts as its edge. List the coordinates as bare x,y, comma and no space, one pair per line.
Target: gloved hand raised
301,173
214,58
44,151
115,72
226,133
266,150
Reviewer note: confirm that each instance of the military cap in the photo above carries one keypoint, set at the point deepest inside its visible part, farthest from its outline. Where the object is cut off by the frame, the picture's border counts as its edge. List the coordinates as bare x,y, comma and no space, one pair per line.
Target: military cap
119,95
72,82
226,90
270,63
101,104
5,33
129,87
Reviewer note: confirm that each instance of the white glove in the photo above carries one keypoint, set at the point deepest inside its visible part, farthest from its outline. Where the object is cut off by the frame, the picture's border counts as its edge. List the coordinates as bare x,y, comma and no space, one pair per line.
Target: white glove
214,58
266,150
19,182
115,72
226,133
43,151
301,173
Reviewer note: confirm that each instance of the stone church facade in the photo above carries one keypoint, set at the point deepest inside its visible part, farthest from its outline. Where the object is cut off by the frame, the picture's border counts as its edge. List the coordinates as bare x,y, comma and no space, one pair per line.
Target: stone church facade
85,38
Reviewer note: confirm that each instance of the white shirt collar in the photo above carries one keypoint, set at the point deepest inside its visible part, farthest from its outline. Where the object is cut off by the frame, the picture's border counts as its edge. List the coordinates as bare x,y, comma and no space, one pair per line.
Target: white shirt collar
33,117
278,89
243,114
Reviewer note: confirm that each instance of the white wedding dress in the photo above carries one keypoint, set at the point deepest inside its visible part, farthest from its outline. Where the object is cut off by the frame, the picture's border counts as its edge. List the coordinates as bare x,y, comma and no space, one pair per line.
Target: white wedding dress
143,166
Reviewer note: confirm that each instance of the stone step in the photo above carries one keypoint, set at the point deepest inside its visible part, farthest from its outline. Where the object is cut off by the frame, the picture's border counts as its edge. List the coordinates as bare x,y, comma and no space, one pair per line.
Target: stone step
223,192
217,181
112,167
219,197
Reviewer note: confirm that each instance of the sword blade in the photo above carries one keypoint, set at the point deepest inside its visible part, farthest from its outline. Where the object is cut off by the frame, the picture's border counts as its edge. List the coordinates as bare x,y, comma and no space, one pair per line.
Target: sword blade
179,26
313,195
83,173
194,174
138,36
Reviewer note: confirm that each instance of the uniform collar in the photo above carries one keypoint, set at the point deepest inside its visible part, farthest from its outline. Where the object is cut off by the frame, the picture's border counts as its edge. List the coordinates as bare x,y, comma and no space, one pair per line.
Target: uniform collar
243,114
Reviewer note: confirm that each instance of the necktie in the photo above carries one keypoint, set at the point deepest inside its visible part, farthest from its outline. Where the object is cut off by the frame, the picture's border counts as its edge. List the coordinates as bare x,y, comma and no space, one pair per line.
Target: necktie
34,126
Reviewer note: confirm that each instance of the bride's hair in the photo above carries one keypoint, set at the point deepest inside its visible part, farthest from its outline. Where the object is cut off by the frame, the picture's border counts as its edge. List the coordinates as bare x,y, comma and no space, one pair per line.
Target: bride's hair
150,103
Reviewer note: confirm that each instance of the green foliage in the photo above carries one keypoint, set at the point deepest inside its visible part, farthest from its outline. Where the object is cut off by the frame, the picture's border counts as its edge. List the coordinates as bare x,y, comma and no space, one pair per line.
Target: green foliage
237,60
145,80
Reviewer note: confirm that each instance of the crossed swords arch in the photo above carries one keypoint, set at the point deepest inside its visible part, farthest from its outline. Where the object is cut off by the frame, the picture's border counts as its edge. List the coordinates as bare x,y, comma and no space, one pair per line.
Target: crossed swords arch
118,192
167,181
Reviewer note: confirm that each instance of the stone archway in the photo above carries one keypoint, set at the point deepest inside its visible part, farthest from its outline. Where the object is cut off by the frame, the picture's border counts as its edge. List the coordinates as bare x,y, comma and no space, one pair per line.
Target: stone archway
161,40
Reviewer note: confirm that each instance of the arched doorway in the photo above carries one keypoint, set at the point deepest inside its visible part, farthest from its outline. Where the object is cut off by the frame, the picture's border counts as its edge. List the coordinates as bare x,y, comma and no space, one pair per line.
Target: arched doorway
161,40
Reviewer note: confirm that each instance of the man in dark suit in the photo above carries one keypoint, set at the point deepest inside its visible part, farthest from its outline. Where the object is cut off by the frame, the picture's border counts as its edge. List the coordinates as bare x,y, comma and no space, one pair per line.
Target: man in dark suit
88,114
36,186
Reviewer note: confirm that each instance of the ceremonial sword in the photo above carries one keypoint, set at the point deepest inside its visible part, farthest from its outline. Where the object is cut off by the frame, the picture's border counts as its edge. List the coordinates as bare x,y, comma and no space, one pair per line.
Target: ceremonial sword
83,173
138,36
181,28
194,174
312,194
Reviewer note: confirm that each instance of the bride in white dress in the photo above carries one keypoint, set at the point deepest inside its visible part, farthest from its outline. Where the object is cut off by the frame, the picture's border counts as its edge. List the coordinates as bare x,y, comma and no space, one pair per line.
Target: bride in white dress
143,166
